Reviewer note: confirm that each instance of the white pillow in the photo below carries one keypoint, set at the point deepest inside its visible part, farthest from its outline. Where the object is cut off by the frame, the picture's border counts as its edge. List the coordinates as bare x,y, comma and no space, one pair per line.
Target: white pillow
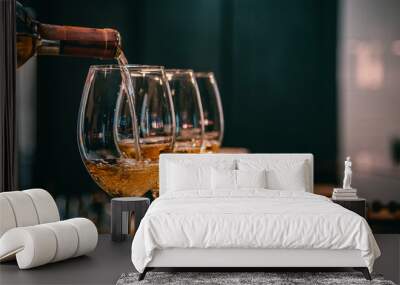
251,178
283,174
223,179
228,179
182,177
292,179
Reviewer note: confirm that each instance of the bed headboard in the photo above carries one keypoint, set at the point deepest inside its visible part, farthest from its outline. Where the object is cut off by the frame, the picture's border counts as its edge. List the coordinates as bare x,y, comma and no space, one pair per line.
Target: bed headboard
211,159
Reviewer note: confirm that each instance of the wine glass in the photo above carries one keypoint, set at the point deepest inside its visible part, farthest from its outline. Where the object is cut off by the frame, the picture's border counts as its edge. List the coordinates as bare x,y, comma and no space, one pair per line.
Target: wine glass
119,131
188,111
154,114
212,109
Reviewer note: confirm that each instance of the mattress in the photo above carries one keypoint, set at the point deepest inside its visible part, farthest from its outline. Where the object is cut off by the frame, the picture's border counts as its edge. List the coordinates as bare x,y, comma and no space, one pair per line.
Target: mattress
250,219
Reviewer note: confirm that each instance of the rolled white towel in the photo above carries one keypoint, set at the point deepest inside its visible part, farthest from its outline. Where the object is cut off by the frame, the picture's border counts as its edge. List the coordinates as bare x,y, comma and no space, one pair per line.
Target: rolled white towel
41,244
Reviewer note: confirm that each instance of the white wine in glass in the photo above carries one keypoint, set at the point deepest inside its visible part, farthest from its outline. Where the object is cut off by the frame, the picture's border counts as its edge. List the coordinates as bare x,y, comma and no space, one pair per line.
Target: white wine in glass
121,133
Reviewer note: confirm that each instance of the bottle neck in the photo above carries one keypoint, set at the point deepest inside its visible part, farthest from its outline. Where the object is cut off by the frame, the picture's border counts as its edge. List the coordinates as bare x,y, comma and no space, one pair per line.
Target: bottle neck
78,41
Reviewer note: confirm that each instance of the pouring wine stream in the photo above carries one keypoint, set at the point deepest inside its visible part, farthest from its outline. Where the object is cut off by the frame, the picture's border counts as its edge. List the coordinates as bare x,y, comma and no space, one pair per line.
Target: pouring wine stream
126,85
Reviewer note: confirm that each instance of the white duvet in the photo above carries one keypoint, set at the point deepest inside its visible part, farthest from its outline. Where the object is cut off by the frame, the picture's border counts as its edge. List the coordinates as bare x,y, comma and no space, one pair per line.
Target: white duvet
250,219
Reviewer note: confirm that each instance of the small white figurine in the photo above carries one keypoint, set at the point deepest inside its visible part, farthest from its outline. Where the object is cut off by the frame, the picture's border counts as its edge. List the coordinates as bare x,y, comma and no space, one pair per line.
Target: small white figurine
347,174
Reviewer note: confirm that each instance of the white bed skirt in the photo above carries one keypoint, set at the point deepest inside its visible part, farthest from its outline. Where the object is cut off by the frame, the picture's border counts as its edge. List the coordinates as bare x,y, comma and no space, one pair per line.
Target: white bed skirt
192,257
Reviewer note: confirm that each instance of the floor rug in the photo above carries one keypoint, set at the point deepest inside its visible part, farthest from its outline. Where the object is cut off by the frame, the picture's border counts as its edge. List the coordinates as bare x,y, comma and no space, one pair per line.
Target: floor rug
229,278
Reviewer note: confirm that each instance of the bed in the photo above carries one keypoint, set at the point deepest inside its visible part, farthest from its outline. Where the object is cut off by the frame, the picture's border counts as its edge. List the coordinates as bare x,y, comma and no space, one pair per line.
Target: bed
245,211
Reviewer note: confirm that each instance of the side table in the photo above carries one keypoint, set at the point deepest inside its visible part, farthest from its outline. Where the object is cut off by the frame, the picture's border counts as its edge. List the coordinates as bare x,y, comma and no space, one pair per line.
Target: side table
358,205
123,210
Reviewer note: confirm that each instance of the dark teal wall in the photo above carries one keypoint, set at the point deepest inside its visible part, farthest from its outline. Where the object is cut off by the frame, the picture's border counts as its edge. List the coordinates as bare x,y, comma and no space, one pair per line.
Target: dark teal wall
275,62
284,88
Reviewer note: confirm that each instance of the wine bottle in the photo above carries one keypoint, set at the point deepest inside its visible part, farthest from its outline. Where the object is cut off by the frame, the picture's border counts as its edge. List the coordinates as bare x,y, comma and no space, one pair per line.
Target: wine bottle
34,38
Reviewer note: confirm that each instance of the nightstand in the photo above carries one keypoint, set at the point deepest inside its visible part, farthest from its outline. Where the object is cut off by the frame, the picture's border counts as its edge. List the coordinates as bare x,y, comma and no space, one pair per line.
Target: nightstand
358,205
121,215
